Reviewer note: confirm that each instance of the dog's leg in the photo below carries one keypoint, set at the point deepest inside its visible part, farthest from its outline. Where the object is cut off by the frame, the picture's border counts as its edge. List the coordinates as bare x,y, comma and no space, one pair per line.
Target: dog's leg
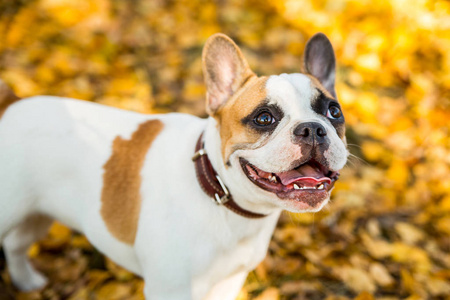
174,294
158,285
167,276
16,244
229,288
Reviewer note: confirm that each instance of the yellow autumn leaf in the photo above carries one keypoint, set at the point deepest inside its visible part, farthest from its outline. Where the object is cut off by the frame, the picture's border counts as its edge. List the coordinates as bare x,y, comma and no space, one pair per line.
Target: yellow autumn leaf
373,151
356,279
409,233
60,231
33,251
369,62
114,291
242,296
381,275
269,294
398,172
443,225
444,204
376,247
412,256
364,296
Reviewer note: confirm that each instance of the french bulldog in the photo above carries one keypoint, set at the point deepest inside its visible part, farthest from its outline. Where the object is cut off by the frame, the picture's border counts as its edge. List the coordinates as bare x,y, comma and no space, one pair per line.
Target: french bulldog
189,204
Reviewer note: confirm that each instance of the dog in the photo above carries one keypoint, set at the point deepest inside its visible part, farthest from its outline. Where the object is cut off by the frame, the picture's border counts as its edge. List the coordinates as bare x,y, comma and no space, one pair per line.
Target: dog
189,204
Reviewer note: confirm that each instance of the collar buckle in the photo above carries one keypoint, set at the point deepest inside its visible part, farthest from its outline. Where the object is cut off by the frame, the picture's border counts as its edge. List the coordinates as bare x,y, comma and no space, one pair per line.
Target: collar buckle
198,154
226,194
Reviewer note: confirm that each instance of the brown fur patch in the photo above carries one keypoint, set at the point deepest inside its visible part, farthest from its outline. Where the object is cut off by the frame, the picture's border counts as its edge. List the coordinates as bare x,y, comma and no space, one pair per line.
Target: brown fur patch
7,97
121,199
233,133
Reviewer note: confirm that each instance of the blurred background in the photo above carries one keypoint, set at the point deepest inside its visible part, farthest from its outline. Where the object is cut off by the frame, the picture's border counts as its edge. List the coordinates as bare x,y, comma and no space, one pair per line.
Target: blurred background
386,232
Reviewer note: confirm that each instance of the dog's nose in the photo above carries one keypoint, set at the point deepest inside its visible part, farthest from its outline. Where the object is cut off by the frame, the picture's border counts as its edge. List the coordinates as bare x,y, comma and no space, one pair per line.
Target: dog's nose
310,133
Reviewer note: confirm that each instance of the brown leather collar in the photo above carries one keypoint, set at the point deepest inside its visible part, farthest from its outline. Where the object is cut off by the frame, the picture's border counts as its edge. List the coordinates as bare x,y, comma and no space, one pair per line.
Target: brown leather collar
213,186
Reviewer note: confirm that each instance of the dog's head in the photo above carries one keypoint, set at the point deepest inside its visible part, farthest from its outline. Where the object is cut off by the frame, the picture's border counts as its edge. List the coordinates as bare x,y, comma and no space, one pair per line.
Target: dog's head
282,137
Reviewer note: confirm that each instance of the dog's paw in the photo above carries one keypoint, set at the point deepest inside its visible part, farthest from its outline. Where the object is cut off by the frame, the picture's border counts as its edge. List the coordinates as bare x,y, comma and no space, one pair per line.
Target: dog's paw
34,281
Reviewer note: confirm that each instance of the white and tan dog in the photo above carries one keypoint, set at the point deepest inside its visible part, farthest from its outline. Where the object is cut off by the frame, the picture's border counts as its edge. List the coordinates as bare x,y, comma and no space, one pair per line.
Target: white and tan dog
128,182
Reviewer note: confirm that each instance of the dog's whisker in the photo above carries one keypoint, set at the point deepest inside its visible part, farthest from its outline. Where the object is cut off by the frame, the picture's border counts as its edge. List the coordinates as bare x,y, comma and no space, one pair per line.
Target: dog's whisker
356,157
354,145
355,160
290,217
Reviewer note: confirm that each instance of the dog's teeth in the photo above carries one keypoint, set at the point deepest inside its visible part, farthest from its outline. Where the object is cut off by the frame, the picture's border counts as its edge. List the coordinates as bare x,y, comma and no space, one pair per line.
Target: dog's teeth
273,178
320,187
296,187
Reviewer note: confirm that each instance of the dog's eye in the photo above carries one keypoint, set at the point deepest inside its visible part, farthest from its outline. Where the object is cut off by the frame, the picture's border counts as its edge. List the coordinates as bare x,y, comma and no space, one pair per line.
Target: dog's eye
334,112
264,119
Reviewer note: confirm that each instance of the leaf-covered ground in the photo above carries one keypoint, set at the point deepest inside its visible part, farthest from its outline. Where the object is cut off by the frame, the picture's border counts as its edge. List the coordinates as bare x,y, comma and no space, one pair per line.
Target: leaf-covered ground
386,233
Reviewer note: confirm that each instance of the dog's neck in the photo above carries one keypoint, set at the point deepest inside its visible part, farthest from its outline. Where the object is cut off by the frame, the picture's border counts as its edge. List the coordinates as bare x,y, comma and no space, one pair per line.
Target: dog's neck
241,196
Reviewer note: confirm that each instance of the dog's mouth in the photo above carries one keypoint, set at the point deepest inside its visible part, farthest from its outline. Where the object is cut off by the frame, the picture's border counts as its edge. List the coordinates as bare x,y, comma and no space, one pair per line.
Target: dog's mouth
309,183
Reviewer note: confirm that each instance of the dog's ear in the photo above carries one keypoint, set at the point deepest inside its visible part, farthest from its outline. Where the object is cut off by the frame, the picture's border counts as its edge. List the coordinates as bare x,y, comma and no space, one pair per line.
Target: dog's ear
225,70
320,61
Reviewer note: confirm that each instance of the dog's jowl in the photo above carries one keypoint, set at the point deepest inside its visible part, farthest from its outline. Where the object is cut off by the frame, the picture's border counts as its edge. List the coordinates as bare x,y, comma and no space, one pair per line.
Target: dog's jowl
189,204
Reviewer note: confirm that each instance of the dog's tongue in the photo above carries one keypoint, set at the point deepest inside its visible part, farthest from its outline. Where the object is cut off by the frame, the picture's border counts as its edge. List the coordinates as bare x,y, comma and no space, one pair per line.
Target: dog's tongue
311,173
